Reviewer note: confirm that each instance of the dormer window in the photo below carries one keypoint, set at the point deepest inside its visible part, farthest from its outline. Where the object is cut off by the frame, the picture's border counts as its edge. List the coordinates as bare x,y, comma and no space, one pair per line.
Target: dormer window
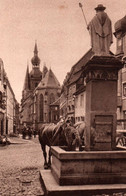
119,45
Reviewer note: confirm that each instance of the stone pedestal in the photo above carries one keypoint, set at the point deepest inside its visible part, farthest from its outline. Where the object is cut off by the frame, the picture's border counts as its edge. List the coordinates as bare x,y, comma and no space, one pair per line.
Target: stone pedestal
101,74
52,188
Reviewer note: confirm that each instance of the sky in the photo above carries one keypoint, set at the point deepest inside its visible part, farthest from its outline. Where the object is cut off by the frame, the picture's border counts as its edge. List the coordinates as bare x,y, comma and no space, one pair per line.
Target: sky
58,27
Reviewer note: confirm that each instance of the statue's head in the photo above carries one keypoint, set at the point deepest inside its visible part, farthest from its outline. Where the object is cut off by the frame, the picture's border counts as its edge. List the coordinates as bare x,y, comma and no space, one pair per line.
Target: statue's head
100,7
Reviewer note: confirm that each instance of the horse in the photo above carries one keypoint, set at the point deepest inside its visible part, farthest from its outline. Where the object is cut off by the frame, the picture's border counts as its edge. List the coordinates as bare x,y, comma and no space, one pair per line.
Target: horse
57,135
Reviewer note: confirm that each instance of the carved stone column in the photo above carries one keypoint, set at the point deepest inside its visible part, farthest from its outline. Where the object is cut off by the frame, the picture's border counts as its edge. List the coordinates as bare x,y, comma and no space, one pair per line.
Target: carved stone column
101,74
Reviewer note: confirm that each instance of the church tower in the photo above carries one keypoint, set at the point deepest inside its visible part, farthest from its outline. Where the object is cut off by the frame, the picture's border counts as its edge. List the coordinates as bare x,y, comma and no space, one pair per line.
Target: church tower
35,74
26,88
31,81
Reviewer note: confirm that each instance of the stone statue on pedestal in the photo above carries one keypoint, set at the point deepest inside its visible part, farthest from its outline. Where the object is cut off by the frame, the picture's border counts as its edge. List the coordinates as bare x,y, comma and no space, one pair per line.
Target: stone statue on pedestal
100,31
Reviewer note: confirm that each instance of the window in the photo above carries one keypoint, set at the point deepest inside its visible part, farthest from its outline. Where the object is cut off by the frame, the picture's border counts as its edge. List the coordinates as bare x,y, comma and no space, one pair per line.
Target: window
41,107
76,102
36,84
82,118
52,98
119,42
72,107
82,100
119,45
55,117
56,108
69,108
0,96
124,89
0,99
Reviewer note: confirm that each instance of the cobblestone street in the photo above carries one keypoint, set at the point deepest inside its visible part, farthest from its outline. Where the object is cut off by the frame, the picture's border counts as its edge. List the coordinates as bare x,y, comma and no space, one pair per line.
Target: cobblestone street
19,165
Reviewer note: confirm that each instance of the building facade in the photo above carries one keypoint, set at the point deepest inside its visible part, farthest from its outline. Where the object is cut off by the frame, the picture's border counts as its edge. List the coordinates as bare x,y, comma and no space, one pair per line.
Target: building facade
120,34
2,101
73,99
9,107
80,105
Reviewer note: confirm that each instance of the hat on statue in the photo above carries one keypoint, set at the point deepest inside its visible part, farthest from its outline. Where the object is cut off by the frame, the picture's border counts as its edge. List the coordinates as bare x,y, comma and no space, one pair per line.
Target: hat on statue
100,7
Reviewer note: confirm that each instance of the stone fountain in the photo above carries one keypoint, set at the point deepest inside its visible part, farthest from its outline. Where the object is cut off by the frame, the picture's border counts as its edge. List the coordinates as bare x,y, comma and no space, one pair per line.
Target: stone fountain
100,167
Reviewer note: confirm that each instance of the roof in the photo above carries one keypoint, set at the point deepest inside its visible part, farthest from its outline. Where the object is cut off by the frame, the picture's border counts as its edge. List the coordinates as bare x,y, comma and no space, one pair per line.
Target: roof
35,72
80,90
26,81
76,70
57,102
120,26
49,81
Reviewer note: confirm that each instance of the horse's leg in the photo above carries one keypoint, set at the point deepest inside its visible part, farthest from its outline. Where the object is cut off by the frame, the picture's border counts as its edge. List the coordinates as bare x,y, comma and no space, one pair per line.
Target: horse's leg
49,160
45,156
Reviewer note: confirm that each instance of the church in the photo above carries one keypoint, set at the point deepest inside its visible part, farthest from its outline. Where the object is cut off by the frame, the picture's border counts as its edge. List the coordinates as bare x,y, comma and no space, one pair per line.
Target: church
41,89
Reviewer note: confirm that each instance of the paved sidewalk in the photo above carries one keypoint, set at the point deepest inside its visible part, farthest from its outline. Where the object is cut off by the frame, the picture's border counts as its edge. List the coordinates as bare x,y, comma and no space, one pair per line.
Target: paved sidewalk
19,140
20,163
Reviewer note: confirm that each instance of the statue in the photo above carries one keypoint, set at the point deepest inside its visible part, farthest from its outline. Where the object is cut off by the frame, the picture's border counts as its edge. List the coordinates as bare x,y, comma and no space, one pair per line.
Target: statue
101,32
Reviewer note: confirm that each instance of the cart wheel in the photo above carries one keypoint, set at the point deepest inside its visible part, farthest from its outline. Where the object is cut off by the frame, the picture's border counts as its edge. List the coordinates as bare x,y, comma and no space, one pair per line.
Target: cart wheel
121,141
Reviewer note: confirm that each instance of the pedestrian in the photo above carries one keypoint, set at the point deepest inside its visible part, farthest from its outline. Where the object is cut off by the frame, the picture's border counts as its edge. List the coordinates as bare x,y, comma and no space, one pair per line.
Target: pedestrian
24,132
34,132
29,132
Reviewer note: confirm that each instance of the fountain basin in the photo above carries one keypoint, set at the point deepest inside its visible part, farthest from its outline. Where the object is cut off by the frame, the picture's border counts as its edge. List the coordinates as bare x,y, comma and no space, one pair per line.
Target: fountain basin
88,167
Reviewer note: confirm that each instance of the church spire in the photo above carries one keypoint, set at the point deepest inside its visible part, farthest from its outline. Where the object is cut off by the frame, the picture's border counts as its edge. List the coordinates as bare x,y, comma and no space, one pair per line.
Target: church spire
35,60
27,82
35,49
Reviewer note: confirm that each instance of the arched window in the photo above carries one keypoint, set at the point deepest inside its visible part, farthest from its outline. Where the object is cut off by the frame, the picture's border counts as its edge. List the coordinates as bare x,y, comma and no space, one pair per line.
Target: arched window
52,98
41,107
36,84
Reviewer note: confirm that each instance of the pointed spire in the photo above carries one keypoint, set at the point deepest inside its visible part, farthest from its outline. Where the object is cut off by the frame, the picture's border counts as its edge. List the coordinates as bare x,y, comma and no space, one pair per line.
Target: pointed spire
45,70
27,79
35,60
35,49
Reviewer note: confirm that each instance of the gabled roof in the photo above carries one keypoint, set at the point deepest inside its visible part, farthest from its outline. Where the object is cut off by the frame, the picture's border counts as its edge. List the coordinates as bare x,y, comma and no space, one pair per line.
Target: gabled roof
80,90
49,81
76,70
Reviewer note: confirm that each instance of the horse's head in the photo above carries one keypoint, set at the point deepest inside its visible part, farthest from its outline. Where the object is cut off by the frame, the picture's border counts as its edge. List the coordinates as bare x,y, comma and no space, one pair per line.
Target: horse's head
66,135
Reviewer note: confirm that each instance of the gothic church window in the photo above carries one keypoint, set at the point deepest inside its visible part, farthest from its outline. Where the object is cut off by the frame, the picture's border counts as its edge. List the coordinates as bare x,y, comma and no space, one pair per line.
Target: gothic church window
36,84
52,98
41,107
